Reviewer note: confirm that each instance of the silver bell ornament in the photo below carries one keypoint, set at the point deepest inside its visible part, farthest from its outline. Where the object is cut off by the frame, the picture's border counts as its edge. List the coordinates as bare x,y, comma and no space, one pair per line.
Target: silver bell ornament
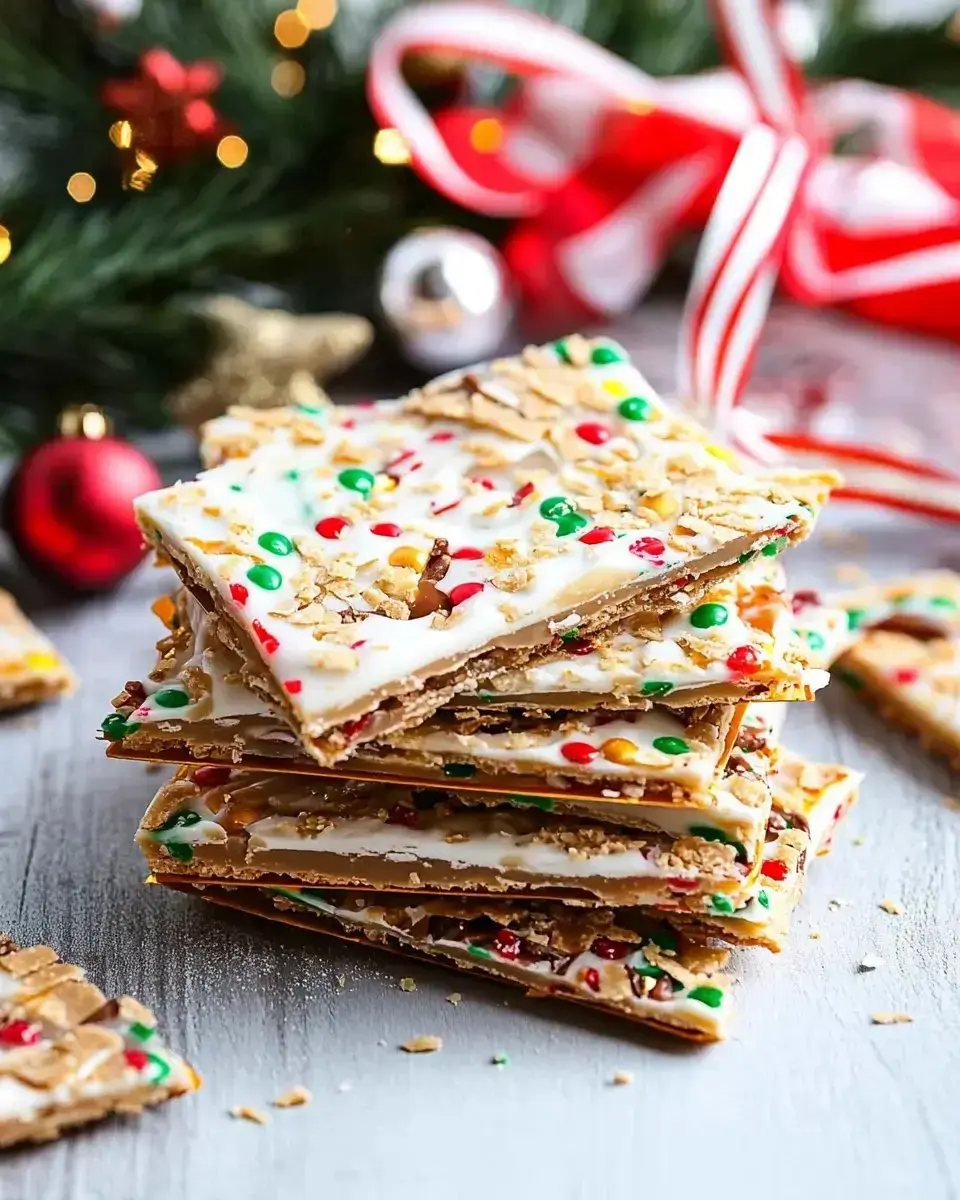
447,297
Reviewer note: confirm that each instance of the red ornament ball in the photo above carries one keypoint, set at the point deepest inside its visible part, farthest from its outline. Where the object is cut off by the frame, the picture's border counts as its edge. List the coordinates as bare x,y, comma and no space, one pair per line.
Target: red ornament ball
68,509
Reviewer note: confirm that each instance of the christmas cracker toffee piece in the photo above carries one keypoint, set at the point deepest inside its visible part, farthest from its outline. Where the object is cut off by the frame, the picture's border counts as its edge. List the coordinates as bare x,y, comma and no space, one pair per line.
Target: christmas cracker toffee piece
367,568
748,638
69,1056
240,826
30,668
643,970
813,796
906,655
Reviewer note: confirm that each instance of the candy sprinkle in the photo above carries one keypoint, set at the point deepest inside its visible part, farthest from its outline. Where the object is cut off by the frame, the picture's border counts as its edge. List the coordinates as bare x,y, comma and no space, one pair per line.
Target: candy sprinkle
671,745
356,480
706,616
293,1097
891,1018
268,578
635,408
275,543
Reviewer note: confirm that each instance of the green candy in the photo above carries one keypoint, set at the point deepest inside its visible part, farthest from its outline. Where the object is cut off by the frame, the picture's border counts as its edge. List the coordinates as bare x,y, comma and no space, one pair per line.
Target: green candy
171,698
815,641
142,1033
650,971
664,939
459,770
564,515
542,802
116,727
268,578
562,352
180,820
855,618
570,636
357,480
710,833
602,356
706,616
942,602
635,408
748,557
276,543
671,745
572,524
656,687
722,904
312,410
293,475
236,487
763,898
712,997
772,549
479,952
181,851
159,1068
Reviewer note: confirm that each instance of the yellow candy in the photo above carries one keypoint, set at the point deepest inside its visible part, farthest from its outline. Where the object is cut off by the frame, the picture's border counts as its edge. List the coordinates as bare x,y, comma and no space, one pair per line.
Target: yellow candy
722,453
384,483
613,387
42,660
619,750
164,608
408,556
663,505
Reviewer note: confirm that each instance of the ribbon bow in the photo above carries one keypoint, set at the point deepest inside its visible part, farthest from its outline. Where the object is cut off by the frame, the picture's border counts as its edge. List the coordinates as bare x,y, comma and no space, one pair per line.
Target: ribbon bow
603,166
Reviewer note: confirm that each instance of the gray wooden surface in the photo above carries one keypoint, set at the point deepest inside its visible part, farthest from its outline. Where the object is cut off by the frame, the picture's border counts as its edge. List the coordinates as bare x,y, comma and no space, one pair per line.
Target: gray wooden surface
807,1098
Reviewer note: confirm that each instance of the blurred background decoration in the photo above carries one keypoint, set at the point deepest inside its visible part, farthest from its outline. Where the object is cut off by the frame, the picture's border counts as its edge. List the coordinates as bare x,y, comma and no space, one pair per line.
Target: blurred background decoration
158,154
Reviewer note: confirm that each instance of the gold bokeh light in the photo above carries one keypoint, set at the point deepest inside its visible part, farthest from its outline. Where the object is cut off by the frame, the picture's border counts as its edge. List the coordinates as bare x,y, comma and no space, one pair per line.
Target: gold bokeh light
318,14
390,147
290,29
232,151
81,187
6,245
288,77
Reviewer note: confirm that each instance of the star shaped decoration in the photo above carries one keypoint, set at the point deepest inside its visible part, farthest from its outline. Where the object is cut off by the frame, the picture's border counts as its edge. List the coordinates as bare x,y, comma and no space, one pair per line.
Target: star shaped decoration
267,357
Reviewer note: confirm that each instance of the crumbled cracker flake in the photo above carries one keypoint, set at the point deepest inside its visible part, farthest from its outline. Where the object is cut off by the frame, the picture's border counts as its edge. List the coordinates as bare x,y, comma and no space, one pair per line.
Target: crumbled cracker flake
407,984
833,905
622,1078
859,840
242,1112
815,935
426,1043
892,907
869,962
890,1018
454,998
293,1097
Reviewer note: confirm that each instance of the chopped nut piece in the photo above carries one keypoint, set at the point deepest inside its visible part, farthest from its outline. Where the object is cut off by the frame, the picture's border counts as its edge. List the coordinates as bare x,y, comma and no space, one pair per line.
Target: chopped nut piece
891,1018
892,907
250,1114
408,985
622,1078
426,1043
293,1097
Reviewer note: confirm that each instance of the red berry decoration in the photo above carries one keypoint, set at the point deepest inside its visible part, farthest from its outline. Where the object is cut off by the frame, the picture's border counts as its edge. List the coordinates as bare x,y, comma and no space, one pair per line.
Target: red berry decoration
743,661
581,753
464,591
331,527
211,776
239,594
467,552
593,432
647,547
69,505
270,644
136,1059
386,529
293,686
602,533
906,675
773,868
591,977
19,1033
508,944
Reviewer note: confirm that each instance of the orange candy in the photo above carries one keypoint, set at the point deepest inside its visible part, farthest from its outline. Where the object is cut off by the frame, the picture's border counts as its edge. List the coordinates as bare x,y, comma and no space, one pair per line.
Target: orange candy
619,750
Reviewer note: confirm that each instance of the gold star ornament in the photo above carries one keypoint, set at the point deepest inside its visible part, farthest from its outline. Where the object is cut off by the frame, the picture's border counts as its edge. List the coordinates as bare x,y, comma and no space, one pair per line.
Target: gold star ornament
265,357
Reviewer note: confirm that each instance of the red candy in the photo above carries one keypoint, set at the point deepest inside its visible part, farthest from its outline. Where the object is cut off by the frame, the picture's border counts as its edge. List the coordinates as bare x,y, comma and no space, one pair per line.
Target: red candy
485,483
446,508
580,753
604,947
591,977
403,814
350,729
331,527
293,686
906,675
136,1059
270,644
386,529
578,646
239,594
678,884
593,432
507,944
801,600
357,645
464,591
442,435
521,494
401,458
774,869
19,1033
743,661
649,547
602,533
211,776
467,552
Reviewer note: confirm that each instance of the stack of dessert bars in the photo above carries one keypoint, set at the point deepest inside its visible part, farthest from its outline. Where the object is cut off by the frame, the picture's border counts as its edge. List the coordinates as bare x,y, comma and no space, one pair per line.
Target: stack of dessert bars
493,675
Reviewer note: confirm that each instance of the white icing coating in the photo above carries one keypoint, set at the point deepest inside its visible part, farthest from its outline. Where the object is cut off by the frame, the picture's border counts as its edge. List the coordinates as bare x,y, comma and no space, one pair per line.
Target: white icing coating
286,489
